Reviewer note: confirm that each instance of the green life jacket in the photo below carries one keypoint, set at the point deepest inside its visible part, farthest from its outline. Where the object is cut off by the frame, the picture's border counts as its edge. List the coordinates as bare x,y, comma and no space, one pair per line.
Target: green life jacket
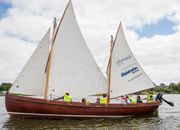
133,100
103,100
150,98
67,98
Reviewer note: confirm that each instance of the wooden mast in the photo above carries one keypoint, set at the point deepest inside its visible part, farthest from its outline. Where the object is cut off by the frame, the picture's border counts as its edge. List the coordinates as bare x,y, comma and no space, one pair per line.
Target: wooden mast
109,69
55,31
49,60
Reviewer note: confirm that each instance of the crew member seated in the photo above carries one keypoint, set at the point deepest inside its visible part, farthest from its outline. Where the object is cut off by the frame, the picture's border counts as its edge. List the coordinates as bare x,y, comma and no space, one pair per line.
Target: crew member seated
132,100
103,100
98,101
85,101
150,97
66,98
139,100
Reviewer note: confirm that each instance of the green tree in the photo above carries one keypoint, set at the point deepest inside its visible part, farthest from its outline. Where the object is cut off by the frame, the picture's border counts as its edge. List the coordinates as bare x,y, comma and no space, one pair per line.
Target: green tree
5,86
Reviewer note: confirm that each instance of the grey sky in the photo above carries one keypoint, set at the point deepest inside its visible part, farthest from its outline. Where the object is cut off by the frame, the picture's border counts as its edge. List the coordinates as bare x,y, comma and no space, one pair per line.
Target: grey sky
27,20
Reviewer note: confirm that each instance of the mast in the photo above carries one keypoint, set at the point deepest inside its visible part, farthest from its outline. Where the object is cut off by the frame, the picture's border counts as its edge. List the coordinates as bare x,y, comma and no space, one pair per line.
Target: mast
109,69
55,31
50,59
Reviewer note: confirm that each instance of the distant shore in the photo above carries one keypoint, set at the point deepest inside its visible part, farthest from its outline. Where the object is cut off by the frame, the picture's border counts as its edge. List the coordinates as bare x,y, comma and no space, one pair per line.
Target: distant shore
165,89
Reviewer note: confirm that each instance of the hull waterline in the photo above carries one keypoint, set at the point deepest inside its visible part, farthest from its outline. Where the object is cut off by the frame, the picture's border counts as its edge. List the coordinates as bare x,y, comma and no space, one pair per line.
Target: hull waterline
26,107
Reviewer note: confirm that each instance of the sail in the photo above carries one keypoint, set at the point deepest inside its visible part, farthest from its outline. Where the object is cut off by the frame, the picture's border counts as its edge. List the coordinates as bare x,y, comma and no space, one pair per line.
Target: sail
73,68
31,79
127,76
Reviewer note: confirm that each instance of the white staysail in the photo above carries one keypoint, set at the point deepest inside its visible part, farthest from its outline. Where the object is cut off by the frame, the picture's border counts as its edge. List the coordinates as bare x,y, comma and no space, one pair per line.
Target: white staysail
31,79
73,68
127,76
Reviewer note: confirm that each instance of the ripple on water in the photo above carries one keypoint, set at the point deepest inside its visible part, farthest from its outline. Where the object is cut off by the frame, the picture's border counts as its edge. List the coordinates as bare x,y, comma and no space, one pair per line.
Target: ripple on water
97,124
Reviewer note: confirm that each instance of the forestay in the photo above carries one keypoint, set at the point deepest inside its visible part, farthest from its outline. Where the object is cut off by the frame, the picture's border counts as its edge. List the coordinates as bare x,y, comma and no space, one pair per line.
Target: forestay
73,68
31,79
127,76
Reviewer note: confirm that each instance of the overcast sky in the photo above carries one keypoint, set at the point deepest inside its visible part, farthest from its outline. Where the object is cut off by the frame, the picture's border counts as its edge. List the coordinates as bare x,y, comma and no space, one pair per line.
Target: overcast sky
152,29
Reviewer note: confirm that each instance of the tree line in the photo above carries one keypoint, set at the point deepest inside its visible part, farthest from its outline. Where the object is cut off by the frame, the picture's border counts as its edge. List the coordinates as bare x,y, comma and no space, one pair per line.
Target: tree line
5,86
172,88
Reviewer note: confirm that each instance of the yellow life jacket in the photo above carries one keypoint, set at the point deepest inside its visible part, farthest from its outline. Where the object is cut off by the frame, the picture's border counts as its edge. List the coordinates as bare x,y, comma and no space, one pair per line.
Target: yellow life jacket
150,98
133,100
103,100
67,98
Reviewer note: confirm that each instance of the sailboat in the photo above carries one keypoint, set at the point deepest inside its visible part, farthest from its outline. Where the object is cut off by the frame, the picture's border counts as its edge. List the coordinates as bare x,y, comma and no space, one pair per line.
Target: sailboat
68,66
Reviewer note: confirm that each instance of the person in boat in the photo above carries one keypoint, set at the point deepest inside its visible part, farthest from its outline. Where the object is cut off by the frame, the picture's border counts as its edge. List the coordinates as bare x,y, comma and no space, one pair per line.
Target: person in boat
98,101
150,97
66,98
139,100
123,99
132,100
103,100
127,99
85,101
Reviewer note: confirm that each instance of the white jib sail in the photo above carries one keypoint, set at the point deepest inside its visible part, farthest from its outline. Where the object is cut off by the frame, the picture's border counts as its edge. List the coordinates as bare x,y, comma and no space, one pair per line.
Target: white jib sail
31,79
127,76
73,68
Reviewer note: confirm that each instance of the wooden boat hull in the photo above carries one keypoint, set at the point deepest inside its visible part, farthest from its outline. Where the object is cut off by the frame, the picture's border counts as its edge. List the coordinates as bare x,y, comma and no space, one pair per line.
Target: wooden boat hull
20,106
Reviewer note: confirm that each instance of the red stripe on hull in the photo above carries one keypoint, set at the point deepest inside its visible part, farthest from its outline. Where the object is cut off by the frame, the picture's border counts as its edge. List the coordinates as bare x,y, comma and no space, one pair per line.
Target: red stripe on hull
32,107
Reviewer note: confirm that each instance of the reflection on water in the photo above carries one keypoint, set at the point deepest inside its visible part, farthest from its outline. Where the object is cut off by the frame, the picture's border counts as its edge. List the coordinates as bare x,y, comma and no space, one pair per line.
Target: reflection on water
168,118
97,124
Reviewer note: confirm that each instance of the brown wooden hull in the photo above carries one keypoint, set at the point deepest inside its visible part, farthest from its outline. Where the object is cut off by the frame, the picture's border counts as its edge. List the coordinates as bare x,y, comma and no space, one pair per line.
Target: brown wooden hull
19,106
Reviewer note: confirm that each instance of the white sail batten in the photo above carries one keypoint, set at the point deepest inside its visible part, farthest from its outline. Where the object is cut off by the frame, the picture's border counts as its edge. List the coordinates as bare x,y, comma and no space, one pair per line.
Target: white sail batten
73,68
31,79
127,76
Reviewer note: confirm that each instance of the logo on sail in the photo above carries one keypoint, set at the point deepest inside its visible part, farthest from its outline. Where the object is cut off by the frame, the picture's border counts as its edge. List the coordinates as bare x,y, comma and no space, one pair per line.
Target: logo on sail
130,71
121,61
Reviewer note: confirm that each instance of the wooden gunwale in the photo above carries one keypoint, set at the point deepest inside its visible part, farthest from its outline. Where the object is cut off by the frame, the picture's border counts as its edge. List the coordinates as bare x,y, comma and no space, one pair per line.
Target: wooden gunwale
78,104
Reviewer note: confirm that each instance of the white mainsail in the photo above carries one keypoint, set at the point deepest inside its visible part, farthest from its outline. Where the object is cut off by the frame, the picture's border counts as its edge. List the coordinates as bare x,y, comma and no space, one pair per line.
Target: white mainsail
31,79
73,68
127,76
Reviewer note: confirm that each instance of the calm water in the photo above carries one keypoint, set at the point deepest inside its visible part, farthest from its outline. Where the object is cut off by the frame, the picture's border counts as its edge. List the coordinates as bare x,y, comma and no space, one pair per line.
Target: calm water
168,118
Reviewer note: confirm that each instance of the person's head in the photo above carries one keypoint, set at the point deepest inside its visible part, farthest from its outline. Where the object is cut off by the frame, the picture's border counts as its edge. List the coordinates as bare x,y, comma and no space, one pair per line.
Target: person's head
138,97
127,96
104,95
83,100
67,94
98,100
